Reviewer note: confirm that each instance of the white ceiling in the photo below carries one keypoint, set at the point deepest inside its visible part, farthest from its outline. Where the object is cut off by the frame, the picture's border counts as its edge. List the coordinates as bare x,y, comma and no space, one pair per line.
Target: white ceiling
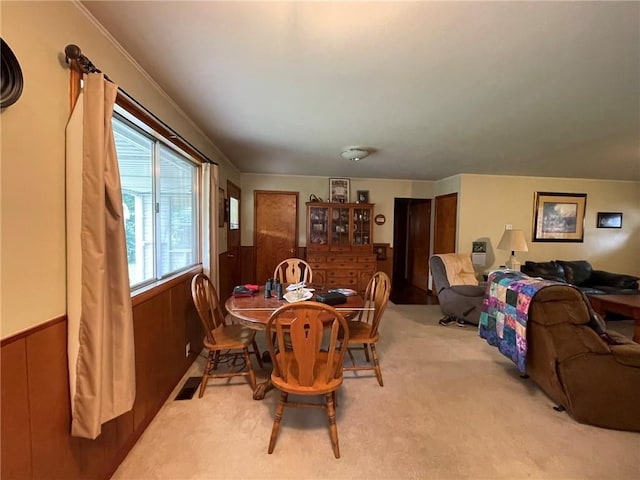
435,88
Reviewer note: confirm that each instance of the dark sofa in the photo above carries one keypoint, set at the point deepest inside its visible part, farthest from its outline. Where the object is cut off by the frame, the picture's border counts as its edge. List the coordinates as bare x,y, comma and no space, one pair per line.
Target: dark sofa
581,274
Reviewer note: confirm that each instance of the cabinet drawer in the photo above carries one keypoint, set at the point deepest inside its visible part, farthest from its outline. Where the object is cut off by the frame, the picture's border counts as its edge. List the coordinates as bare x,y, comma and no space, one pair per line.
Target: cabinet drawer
344,266
319,277
367,259
342,273
342,258
342,281
316,258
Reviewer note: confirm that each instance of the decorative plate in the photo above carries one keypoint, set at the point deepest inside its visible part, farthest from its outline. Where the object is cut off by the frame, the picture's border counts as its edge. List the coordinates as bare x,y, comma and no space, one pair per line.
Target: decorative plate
292,297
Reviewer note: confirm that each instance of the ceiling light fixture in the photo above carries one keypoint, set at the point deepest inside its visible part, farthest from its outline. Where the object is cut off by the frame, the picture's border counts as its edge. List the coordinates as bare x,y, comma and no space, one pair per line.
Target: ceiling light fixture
354,154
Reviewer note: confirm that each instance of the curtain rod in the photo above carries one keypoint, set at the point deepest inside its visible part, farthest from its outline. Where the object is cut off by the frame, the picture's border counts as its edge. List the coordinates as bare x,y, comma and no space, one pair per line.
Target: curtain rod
74,56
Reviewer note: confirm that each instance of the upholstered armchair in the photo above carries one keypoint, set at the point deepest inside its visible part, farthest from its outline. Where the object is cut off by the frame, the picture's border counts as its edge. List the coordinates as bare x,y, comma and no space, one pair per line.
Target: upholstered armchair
459,293
592,373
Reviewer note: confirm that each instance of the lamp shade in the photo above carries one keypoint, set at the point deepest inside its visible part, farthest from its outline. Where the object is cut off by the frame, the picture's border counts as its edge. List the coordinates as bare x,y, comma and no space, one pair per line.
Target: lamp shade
514,241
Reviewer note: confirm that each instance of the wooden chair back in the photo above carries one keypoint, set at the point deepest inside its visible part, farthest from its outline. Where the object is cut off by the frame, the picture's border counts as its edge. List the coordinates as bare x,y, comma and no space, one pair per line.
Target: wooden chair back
293,270
303,346
207,303
376,298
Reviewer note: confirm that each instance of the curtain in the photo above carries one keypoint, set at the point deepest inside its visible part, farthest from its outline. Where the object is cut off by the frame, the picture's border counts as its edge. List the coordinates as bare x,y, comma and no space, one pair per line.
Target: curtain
100,320
210,204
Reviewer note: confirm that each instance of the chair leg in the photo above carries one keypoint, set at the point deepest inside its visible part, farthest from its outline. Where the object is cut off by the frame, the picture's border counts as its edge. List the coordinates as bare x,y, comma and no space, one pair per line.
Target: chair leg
366,352
353,360
216,360
333,428
256,352
252,375
276,422
205,376
376,364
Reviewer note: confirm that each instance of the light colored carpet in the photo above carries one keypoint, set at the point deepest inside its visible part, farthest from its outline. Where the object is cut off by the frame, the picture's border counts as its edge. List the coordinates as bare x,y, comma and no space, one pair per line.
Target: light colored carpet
451,407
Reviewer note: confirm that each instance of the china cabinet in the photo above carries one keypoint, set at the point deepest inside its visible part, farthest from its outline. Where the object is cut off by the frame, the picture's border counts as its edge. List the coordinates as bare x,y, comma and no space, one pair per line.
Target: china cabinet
340,244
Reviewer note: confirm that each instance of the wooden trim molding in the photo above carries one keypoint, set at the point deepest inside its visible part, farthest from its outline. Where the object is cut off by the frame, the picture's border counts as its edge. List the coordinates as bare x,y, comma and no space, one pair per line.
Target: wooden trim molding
132,107
32,330
156,288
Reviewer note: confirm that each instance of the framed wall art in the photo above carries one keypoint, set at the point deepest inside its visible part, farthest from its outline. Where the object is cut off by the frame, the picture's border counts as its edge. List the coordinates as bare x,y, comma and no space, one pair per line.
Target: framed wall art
609,220
362,196
559,217
339,190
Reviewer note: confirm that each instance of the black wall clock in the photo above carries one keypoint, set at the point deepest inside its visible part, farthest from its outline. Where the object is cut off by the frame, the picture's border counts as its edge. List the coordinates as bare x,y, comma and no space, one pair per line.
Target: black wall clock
11,76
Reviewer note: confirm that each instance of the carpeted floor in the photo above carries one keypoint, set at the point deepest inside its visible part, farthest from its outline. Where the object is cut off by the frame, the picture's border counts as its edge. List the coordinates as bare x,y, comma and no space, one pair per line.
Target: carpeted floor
452,407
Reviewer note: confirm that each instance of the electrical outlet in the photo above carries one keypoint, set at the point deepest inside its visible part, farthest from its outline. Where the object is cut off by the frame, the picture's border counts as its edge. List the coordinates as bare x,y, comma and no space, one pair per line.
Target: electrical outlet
187,349
508,227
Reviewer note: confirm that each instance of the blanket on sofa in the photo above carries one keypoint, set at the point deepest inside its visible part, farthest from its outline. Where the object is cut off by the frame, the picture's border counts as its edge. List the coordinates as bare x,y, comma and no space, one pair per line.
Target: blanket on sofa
505,310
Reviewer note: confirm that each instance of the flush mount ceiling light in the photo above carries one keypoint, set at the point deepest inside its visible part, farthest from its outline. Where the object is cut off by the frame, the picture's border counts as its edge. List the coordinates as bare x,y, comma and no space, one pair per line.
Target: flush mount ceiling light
354,154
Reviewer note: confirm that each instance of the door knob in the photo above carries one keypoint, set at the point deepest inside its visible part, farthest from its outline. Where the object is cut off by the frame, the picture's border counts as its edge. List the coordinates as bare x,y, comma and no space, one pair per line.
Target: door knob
291,250
230,255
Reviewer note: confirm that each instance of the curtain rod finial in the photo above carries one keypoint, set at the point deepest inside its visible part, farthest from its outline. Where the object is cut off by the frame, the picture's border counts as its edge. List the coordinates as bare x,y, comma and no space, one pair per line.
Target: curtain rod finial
72,52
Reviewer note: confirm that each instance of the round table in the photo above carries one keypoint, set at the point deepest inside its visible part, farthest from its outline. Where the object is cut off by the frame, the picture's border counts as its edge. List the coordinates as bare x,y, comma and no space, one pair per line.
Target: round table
254,312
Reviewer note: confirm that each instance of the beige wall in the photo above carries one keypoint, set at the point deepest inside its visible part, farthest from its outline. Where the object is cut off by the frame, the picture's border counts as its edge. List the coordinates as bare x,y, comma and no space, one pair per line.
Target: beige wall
381,192
33,135
488,202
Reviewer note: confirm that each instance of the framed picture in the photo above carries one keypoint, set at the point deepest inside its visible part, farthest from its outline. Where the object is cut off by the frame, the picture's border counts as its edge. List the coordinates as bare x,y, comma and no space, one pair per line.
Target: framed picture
363,196
380,249
339,190
221,207
479,247
559,217
609,220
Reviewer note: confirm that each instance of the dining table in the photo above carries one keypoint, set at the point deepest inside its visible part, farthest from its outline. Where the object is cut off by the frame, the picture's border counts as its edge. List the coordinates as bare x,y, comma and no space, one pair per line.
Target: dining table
254,312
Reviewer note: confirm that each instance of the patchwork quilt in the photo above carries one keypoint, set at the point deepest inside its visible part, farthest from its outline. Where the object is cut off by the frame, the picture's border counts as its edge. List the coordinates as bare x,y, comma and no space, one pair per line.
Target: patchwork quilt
505,311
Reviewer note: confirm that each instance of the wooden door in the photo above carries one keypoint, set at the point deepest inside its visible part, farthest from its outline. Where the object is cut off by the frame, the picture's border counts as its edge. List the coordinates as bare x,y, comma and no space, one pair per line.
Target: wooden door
275,234
445,223
418,243
232,267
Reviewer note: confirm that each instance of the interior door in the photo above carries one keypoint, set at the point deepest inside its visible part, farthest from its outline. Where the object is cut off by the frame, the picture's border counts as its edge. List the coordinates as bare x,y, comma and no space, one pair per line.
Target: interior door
418,243
445,223
275,230
233,268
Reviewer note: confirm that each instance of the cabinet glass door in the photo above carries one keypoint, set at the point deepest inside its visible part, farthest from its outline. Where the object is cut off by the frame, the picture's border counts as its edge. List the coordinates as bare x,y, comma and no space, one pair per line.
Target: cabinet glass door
340,226
318,223
361,226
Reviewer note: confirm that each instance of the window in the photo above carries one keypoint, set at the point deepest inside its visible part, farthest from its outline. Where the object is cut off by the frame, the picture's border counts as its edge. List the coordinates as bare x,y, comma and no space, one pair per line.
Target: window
234,214
160,200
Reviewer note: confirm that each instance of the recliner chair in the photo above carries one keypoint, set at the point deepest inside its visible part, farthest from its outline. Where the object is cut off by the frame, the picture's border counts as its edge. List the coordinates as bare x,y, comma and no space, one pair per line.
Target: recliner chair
459,293
592,373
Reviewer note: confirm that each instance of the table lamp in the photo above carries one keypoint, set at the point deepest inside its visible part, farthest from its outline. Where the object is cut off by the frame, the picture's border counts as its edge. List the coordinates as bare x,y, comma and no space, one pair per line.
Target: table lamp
514,241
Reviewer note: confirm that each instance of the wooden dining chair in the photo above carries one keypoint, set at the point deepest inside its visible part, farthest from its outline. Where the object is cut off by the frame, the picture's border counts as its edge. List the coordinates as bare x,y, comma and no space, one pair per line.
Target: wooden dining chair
293,270
363,329
224,342
303,364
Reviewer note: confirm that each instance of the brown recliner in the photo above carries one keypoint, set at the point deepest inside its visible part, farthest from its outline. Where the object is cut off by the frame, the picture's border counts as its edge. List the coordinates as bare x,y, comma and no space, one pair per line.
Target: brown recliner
596,381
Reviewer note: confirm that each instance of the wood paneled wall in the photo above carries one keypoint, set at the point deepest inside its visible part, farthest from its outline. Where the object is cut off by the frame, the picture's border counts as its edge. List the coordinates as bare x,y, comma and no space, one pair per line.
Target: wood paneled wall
35,390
